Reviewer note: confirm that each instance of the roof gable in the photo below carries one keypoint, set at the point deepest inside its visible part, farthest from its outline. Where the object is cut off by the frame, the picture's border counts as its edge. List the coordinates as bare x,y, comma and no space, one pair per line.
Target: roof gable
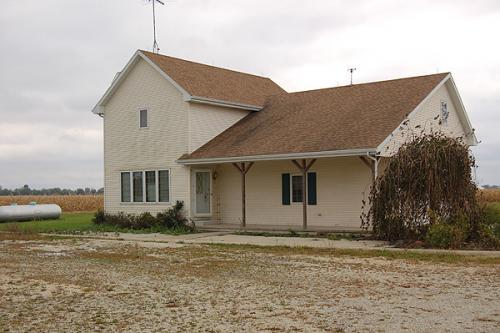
202,83
214,83
357,117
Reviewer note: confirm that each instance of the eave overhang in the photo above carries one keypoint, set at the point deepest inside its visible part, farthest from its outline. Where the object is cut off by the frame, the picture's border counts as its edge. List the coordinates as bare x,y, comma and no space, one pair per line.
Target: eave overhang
277,157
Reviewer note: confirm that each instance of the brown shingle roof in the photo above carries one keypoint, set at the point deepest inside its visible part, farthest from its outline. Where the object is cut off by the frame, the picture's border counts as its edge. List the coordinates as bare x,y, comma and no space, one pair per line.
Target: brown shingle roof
350,117
216,83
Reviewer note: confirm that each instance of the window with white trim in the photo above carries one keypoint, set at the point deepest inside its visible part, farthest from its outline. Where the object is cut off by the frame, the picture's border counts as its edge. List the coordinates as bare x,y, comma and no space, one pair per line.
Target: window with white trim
297,188
164,186
292,189
137,186
150,186
143,118
125,182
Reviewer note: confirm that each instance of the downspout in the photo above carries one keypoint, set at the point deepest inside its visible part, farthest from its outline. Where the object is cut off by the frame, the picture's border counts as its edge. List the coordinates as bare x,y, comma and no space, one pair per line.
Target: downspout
375,165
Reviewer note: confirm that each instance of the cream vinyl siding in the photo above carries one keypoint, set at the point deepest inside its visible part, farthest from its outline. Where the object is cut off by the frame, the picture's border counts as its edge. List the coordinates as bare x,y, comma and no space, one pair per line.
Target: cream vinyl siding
207,121
129,147
341,185
425,118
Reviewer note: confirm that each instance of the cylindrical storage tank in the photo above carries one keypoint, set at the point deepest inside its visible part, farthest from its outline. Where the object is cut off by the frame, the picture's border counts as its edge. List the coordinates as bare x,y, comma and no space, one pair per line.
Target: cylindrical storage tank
29,212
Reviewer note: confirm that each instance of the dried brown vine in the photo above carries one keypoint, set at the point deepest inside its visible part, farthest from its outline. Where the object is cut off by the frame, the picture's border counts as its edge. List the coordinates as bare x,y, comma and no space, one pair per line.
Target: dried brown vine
429,179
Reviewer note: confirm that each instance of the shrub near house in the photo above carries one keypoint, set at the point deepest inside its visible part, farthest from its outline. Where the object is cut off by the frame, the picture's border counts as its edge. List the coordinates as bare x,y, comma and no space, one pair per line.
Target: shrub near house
172,219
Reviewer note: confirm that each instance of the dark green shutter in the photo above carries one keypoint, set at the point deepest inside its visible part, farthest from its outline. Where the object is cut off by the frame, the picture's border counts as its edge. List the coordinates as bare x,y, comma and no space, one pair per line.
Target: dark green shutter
285,189
311,188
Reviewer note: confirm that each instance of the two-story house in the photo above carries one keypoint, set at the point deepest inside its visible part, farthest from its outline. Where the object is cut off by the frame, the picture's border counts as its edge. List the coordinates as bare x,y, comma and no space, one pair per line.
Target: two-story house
239,150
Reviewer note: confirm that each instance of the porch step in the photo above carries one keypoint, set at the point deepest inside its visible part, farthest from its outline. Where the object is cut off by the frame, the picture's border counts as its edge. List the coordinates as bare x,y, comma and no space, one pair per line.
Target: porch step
204,222
276,228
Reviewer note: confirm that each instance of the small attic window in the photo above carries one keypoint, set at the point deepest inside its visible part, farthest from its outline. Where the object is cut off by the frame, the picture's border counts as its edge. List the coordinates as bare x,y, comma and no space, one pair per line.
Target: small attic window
444,113
143,118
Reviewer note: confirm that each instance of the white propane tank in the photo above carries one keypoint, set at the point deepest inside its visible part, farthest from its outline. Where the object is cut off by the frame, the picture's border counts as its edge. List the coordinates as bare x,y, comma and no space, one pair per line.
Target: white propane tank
29,212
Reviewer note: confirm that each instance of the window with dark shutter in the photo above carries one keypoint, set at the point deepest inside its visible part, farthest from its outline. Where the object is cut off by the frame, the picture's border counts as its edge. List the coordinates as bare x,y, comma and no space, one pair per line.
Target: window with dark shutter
285,189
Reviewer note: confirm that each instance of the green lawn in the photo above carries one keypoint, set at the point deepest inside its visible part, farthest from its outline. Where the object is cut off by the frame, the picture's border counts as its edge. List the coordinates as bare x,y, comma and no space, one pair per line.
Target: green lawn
69,222
73,223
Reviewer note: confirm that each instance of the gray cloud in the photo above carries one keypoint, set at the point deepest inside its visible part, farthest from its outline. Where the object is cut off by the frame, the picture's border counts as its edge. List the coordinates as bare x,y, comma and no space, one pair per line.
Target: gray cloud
59,57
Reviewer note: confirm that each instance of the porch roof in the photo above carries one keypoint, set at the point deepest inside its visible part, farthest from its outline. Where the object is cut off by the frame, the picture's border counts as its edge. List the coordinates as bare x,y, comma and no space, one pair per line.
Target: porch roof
342,121
276,157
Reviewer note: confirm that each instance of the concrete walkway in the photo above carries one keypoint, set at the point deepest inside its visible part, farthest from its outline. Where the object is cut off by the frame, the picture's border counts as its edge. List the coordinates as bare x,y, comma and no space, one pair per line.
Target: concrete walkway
228,238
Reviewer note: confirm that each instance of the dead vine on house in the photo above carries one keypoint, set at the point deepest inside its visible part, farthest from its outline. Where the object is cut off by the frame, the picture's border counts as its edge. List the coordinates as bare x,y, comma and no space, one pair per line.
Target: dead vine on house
428,181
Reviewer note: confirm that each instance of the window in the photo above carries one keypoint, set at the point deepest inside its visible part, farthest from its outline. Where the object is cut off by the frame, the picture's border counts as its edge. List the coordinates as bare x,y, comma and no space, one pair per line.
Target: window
292,191
444,113
125,186
297,189
143,118
150,186
164,183
137,188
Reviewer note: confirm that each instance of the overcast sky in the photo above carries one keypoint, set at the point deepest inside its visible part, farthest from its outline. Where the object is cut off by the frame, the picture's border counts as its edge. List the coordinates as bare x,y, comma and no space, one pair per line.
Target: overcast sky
58,58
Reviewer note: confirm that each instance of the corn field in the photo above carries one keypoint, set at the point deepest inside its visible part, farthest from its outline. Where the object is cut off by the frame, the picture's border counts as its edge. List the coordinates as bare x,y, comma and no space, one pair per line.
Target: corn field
68,203
489,195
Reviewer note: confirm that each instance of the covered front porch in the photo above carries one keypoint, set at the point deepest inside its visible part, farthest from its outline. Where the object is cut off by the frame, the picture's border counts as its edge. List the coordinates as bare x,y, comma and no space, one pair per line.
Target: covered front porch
320,194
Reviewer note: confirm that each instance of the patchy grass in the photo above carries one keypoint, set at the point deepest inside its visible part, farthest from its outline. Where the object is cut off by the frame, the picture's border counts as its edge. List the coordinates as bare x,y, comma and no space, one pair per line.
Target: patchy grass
292,233
14,232
83,284
76,223
436,257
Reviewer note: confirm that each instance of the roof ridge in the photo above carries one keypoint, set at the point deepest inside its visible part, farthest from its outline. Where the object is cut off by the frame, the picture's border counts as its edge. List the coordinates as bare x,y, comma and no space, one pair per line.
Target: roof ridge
366,83
200,63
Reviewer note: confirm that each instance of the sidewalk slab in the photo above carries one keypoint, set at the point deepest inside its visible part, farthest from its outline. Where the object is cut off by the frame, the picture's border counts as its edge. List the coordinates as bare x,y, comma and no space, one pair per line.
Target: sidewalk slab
228,238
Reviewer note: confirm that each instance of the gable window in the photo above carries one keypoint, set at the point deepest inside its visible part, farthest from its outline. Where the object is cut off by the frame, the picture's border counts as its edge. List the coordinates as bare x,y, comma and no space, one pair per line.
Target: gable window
143,118
292,188
152,186
444,113
125,181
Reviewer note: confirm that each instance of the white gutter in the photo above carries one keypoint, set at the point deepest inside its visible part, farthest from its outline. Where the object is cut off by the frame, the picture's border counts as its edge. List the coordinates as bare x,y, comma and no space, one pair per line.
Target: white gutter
274,157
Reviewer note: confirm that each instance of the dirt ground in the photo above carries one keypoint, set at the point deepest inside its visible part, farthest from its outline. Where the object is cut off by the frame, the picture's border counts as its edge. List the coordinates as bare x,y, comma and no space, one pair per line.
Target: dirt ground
81,285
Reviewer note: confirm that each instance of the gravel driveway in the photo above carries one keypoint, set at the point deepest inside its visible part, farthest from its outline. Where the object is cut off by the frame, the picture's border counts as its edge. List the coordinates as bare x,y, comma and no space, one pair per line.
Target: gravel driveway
81,285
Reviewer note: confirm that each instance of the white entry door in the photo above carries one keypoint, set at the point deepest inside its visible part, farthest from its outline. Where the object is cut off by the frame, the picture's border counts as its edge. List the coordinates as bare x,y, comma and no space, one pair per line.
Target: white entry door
203,184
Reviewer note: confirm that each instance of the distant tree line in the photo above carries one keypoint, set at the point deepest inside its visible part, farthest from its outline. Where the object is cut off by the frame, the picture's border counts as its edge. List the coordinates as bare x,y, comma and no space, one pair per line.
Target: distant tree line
491,186
26,190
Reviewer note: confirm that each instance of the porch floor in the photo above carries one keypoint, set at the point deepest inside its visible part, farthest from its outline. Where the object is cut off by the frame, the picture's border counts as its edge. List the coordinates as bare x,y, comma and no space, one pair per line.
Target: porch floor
272,227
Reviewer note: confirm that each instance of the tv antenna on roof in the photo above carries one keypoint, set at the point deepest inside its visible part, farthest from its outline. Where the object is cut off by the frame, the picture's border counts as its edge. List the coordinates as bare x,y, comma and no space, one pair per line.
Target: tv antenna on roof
351,70
156,49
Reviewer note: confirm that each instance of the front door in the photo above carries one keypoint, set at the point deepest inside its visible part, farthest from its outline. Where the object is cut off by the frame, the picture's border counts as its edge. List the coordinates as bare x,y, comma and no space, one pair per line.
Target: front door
203,180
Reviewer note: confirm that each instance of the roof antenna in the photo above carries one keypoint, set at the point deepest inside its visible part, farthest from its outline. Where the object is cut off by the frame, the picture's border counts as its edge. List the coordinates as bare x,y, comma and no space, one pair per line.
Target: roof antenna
156,48
351,70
